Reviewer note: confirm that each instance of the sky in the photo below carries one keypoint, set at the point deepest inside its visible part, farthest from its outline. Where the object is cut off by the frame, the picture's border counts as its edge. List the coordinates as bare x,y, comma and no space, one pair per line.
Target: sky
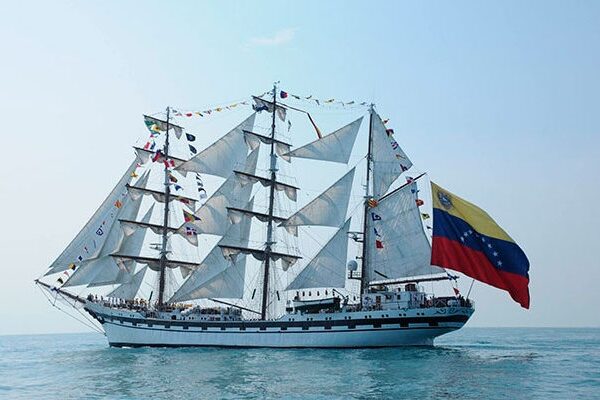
497,101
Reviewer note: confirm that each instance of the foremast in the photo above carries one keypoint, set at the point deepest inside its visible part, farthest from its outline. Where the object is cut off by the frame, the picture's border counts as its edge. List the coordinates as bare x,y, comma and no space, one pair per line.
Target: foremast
165,227
270,219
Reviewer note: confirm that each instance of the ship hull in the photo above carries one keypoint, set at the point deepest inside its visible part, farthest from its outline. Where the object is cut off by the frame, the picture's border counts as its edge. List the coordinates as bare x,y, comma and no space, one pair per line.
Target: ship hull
338,330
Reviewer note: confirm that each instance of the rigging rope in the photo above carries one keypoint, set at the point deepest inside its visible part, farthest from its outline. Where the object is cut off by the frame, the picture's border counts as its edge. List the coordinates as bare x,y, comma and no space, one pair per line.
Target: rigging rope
52,302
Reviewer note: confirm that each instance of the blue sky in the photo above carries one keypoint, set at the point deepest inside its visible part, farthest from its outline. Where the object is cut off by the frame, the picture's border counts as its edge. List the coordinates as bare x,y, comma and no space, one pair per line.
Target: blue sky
497,101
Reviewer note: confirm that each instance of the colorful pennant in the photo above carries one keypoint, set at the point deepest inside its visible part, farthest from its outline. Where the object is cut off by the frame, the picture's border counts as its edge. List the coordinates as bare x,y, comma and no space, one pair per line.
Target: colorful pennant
330,101
208,112
375,217
372,203
189,217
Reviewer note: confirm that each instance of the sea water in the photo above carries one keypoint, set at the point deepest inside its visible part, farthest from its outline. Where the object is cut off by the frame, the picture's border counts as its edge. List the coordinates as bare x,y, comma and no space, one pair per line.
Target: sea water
473,363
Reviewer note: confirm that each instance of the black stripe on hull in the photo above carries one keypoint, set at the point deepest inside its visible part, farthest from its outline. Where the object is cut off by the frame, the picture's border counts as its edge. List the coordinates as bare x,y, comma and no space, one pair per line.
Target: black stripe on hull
403,321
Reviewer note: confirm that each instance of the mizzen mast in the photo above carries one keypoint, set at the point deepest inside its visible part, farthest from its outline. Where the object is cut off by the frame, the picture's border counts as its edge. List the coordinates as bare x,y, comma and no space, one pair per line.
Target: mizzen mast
364,279
165,227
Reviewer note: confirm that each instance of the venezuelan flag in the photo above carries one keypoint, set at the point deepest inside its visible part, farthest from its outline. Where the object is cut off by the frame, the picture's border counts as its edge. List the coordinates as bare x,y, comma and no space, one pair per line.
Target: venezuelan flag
466,239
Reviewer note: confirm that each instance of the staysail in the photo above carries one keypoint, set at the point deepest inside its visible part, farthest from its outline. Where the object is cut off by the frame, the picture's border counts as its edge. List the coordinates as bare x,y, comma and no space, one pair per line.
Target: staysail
328,267
222,156
104,268
388,159
217,276
398,244
335,147
128,290
89,240
211,217
327,209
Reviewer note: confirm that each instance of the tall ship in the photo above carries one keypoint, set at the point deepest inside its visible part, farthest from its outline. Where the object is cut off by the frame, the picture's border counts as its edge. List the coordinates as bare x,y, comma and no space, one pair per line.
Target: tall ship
214,246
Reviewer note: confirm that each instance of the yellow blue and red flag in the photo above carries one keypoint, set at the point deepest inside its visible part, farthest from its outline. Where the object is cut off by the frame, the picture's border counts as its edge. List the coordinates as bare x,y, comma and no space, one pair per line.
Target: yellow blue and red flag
468,240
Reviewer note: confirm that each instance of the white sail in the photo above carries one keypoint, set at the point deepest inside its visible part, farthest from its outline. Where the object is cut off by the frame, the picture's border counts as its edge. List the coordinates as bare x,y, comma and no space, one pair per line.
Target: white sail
143,156
227,284
266,105
89,240
335,147
398,246
112,273
129,225
135,192
143,246
254,140
218,276
115,235
128,290
327,209
103,268
221,157
213,279
159,196
248,179
213,213
180,250
389,160
132,245
328,267
101,271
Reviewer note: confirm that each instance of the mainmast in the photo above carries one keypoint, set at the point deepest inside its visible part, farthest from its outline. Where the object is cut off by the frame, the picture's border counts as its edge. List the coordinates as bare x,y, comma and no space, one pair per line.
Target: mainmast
165,230
269,243
364,280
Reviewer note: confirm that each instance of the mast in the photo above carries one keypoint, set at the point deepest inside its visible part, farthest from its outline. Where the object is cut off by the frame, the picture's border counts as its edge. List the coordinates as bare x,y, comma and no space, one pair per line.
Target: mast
165,227
364,282
273,170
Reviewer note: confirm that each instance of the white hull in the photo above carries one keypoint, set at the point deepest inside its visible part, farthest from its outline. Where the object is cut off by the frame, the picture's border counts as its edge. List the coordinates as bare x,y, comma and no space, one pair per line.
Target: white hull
415,327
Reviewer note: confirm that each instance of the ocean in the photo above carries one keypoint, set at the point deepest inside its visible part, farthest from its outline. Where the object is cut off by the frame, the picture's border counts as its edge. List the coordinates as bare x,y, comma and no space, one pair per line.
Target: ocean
473,363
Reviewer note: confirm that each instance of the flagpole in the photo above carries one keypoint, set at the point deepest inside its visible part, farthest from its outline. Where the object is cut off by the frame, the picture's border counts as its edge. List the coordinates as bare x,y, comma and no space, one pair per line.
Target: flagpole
470,287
